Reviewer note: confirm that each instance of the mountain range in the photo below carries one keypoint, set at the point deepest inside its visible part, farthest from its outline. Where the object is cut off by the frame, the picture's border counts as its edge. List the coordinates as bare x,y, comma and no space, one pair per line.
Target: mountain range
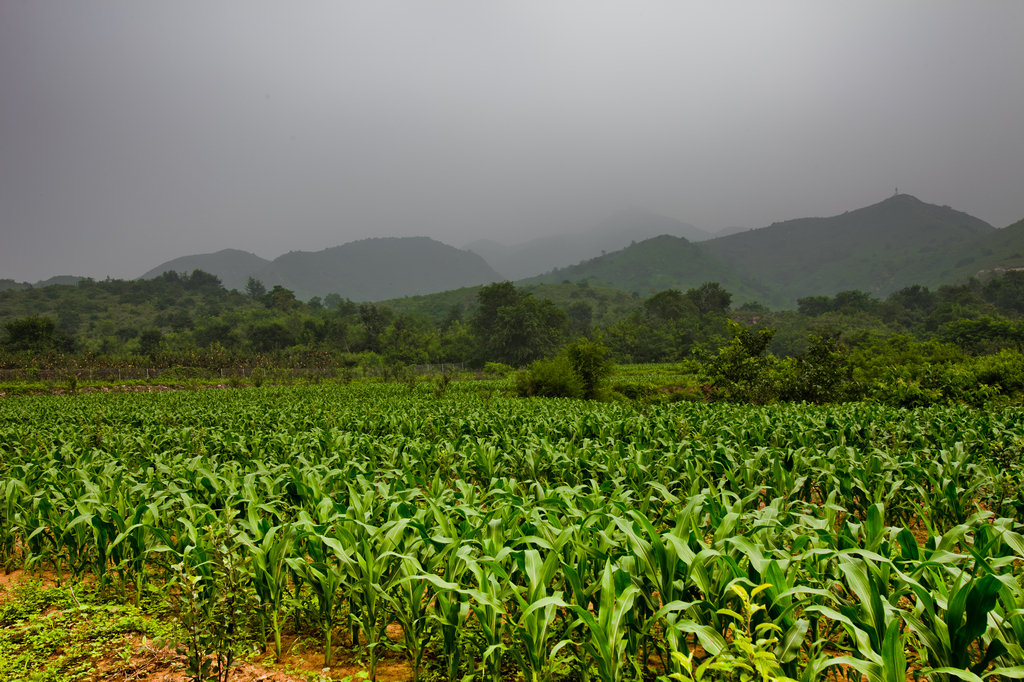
881,248
364,270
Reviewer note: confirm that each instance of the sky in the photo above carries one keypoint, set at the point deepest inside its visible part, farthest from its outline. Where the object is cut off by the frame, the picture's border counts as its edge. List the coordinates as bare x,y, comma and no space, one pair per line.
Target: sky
136,132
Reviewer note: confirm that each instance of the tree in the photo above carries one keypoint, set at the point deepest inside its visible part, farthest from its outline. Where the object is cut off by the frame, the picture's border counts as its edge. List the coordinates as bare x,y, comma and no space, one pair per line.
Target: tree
255,289
375,320
490,299
823,373
743,370
710,298
280,298
591,362
216,333
514,328
200,279
150,342
269,337
36,334
854,301
812,306
669,305
527,331
581,316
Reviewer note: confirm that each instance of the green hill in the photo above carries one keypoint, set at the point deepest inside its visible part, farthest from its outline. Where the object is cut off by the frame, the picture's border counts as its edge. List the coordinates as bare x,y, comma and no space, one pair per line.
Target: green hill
879,249
377,269
365,270
232,266
657,264
537,256
6,284
997,251
10,284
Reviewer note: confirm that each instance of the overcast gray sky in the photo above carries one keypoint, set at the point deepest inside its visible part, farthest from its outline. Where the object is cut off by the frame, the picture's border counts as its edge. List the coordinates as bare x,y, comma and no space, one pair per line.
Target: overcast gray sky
135,132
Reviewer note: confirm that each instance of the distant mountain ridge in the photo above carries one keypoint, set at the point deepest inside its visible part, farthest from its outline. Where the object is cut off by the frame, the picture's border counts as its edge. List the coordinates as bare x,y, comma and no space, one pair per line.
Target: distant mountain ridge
879,249
543,254
895,243
232,266
366,270
6,284
656,264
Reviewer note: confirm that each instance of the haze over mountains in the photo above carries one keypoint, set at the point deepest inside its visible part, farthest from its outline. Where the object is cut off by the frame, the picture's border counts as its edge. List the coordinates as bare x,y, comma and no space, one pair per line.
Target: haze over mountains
881,248
543,254
364,270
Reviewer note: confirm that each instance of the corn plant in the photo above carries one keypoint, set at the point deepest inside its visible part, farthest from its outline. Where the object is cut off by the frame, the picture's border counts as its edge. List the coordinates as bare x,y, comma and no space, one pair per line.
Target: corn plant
269,571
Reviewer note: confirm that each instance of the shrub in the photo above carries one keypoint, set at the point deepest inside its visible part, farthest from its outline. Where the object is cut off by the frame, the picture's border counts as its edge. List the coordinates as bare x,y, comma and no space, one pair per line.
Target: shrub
590,363
1004,369
552,378
497,369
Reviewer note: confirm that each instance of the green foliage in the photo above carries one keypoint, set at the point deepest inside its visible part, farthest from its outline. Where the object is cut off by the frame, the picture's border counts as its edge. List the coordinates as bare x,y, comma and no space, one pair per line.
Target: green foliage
749,653
895,243
552,378
280,298
255,289
957,343
59,633
591,364
577,372
653,265
514,328
35,334
507,535
208,599
497,369
743,370
822,374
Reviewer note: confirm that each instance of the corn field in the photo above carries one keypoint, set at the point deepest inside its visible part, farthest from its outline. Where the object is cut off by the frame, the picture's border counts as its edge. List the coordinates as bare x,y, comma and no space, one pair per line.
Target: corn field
543,539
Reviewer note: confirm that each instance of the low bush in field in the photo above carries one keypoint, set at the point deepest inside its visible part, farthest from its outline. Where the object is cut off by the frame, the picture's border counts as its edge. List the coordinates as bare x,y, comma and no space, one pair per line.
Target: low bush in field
578,372
552,378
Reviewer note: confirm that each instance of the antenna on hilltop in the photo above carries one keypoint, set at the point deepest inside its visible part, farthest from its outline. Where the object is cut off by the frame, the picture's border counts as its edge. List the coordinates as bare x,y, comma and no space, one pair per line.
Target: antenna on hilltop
896,191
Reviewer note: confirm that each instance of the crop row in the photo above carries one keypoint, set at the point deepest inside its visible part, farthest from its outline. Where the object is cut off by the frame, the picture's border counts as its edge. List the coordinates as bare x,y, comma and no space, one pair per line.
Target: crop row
562,539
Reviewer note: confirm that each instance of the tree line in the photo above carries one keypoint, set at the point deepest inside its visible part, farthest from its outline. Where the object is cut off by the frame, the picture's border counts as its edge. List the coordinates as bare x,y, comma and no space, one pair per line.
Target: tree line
191,320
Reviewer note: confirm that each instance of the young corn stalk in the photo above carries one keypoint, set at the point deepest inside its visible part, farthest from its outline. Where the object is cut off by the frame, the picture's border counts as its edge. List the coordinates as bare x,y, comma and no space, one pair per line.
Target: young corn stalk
606,630
537,608
325,574
269,572
371,573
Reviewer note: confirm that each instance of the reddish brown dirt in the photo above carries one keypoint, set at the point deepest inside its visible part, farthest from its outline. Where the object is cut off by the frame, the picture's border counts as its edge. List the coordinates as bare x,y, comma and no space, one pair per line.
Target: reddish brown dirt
152,663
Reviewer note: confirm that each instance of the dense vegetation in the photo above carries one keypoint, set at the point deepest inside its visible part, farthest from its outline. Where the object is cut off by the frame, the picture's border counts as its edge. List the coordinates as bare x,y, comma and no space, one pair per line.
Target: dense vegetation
558,539
918,346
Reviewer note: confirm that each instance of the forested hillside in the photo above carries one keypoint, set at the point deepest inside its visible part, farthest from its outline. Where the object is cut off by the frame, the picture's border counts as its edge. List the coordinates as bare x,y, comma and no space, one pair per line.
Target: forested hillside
543,254
882,248
664,262
364,270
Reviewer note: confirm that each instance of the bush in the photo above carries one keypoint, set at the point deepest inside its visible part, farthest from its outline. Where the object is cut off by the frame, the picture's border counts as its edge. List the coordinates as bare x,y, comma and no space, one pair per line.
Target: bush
497,369
590,363
1005,369
577,372
743,371
552,378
